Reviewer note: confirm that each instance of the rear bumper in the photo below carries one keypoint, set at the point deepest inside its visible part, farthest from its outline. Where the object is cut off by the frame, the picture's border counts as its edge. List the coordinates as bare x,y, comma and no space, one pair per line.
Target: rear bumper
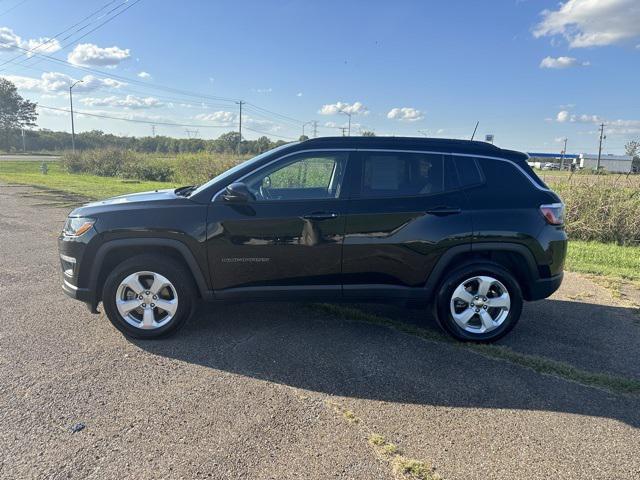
544,287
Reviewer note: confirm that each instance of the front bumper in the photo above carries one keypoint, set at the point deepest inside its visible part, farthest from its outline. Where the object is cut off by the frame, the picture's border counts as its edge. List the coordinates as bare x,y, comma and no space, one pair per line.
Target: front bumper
544,287
71,252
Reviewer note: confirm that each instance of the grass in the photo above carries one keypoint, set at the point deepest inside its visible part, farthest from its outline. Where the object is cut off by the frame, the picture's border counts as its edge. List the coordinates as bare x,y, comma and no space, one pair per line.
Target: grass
612,383
403,467
90,186
604,259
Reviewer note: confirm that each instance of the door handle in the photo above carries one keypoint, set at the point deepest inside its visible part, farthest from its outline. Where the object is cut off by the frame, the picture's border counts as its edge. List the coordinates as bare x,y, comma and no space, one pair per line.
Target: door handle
443,210
320,216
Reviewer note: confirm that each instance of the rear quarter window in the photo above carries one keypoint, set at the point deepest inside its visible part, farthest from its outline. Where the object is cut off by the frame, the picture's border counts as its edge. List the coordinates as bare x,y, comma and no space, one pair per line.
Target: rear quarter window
505,183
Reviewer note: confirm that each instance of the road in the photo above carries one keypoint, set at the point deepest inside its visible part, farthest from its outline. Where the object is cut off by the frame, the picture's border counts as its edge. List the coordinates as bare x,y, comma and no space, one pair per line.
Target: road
29,158
280,391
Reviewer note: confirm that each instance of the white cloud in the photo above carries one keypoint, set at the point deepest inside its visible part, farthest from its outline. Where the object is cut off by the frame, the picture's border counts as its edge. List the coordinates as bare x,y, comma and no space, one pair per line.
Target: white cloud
561,62
9,40
144,75
263,90
564,116
130,102
88,54
56,82
356,108
407,114
299,94
589,23
220,117
613,127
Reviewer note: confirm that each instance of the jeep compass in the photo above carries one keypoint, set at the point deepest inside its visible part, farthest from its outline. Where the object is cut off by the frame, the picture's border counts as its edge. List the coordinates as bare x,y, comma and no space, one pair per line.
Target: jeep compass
464,227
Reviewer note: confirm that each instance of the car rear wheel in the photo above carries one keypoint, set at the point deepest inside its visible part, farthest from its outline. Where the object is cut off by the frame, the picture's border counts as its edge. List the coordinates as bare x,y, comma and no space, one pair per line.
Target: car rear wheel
479,302
148,296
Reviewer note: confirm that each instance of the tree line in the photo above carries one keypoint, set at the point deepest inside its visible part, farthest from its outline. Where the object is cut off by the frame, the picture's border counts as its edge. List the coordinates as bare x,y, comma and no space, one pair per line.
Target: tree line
18,116
44,140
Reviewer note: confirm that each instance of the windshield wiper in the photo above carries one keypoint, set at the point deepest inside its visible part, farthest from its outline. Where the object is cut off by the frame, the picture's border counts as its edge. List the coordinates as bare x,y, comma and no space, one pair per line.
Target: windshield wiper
185,191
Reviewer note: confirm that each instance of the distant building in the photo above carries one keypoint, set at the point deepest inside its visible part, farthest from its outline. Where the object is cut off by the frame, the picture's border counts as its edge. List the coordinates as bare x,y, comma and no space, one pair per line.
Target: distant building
610,163
538,159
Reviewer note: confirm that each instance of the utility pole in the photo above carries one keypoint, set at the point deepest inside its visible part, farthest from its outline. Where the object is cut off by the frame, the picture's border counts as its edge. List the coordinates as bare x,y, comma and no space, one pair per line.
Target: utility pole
240,103
73,131
423,132
564,152
315,129
348,114
600,147
153,130
24,145
304,125
343,130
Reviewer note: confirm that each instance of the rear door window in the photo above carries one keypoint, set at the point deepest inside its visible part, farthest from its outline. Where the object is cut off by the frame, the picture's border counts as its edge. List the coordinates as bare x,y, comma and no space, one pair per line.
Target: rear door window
468,171
402,174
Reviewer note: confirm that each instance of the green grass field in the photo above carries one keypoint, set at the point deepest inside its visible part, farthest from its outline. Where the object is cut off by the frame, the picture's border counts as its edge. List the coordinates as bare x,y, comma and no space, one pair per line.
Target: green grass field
90,186
605,259
586,257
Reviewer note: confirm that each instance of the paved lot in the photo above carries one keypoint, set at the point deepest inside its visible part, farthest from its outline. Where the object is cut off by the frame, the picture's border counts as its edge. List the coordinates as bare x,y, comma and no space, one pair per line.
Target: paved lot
257,390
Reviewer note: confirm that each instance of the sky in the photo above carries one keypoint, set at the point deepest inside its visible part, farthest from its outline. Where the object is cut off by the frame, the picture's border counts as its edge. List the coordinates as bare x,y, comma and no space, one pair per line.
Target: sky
532,72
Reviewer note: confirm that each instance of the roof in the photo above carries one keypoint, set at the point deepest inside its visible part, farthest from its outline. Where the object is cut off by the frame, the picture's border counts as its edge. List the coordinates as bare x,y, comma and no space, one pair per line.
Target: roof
594,156
552,155
413,143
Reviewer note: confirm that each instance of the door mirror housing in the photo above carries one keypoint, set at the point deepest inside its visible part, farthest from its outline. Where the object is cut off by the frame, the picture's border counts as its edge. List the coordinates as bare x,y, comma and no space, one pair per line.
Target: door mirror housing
237,192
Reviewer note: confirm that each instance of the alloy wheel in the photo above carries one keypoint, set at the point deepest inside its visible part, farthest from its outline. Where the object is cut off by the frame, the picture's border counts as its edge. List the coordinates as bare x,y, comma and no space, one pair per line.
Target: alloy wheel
146,300
480,304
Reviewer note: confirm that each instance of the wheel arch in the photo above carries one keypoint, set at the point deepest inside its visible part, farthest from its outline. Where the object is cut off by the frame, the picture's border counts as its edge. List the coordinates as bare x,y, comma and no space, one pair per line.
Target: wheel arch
112,252
514,257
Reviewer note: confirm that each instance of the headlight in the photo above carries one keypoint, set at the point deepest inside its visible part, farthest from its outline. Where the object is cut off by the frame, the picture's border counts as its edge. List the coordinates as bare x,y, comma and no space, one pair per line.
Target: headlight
76,226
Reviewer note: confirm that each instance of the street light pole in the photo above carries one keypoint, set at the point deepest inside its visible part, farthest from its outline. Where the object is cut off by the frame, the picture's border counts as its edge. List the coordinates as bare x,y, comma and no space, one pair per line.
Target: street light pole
73,131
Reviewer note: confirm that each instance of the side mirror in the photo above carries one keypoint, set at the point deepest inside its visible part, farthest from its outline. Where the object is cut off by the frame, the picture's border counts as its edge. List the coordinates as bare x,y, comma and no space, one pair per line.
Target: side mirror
237,193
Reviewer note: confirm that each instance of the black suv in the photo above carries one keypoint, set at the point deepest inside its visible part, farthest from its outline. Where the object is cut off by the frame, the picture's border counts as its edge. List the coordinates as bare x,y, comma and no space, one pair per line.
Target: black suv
463,226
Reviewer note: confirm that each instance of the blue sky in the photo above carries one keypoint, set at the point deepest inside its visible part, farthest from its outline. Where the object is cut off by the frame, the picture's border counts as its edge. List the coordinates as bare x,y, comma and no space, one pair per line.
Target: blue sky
531,71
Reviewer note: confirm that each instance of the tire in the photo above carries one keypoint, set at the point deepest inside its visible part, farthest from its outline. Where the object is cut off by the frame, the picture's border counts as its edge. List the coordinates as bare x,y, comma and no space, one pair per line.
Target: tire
462,288
160,279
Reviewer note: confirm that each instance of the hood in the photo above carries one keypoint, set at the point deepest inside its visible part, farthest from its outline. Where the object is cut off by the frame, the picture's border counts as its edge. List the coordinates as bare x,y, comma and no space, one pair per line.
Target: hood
132,200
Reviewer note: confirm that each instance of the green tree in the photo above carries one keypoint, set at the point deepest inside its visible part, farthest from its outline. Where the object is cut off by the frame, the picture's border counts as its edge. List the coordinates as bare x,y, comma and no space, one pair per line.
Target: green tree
368,133
633,150
15,112
303,138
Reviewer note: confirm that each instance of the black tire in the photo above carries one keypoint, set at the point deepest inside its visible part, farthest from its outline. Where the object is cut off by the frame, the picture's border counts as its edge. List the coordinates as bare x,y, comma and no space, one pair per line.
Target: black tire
173,271
456,278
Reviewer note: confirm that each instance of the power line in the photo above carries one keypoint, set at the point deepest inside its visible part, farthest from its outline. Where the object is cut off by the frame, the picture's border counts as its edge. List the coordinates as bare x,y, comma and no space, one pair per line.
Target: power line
101,24
11,9
268,133
147,122
49,40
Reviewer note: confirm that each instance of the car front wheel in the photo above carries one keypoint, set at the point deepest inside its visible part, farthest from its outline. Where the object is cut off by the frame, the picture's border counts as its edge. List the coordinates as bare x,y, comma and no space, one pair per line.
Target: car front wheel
481,302
148,296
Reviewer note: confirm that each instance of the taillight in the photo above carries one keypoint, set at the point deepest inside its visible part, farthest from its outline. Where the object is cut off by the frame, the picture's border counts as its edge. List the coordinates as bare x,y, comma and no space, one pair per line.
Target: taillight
553,213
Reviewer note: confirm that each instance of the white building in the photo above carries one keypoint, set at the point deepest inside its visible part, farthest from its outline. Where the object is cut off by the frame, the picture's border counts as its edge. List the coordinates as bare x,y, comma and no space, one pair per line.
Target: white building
610,163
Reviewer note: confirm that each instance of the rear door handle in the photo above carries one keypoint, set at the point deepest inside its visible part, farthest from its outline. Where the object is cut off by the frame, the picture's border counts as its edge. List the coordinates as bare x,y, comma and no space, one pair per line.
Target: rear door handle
443,210
320,216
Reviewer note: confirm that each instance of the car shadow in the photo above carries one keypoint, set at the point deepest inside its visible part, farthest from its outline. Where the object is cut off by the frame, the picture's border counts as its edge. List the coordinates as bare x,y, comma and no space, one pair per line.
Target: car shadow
301,347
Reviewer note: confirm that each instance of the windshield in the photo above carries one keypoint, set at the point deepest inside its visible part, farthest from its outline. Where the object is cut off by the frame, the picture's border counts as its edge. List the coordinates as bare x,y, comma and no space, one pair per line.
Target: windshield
229,173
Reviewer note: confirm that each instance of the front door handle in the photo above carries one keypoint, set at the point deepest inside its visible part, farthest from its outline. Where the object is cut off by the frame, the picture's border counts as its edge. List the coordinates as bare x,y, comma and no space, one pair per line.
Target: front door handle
320,216
443,210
